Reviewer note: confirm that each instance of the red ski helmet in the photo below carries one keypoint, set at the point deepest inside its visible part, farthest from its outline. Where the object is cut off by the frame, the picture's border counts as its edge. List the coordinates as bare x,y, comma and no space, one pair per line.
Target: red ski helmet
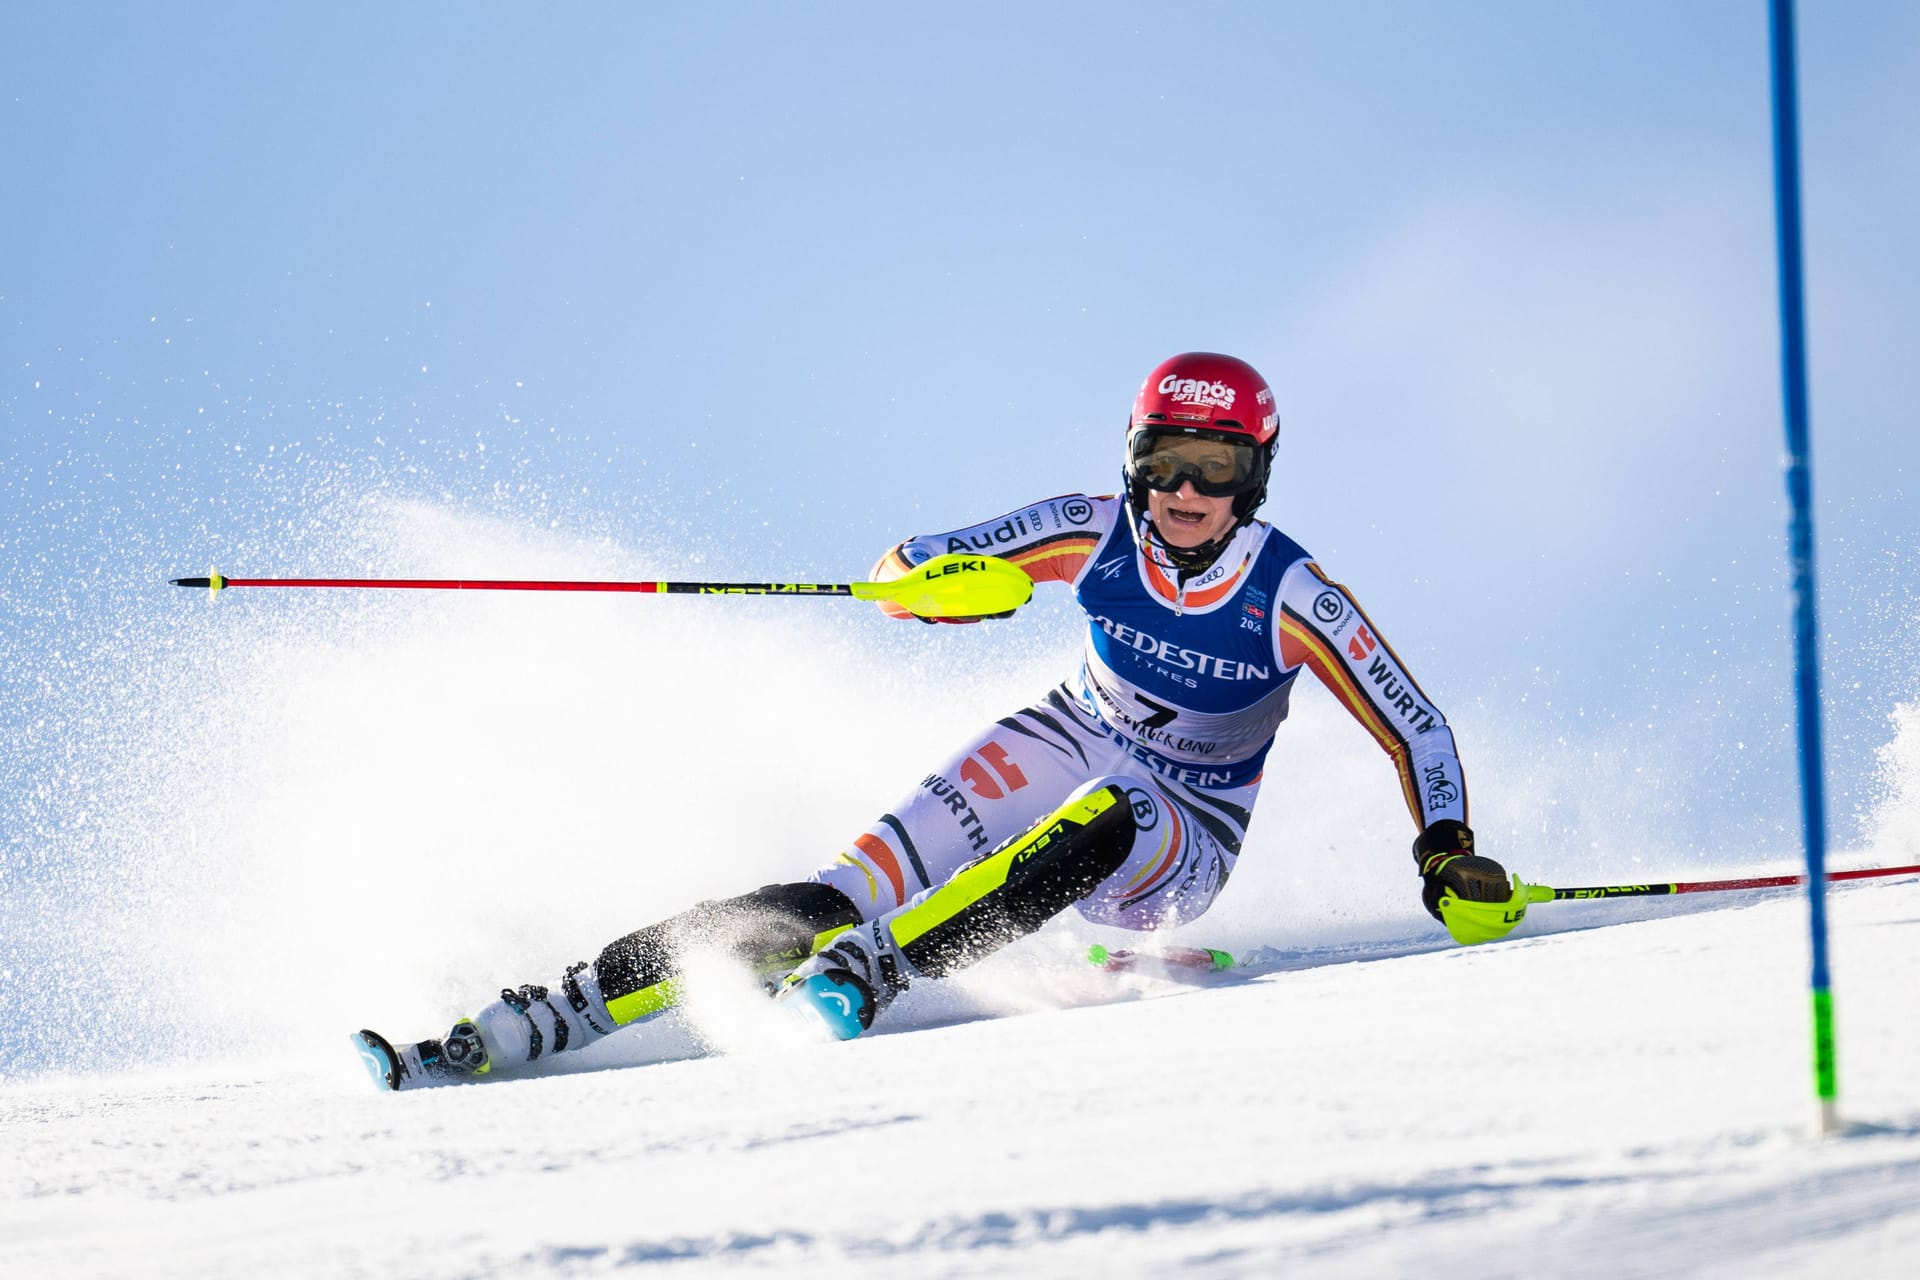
1204,395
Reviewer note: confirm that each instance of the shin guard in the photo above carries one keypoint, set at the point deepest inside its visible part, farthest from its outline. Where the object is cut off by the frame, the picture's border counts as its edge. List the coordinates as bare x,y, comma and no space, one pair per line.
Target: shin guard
1017,888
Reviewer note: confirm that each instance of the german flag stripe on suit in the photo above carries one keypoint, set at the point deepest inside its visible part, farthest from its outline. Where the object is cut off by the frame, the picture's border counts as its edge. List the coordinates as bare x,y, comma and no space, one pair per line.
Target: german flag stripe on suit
1303,641
1052,559
1057,558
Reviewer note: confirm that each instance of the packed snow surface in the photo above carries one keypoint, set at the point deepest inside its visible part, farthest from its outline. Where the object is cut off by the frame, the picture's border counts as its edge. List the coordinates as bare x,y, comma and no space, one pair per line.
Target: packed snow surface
241,830
1625,1100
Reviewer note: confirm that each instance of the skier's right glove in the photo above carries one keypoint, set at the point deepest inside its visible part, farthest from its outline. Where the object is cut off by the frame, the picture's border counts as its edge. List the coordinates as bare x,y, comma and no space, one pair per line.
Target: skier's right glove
1469,894
895,563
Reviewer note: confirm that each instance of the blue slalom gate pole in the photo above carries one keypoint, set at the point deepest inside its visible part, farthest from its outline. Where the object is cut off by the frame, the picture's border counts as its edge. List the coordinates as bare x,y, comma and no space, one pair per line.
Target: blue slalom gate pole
1806,655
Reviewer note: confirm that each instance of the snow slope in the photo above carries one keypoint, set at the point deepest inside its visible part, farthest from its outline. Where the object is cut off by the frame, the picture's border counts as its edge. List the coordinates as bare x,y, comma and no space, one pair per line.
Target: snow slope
1617,1101
246,828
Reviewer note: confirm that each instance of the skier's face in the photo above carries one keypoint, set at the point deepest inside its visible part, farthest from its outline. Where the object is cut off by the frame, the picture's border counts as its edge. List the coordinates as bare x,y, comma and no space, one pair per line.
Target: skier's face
1189,519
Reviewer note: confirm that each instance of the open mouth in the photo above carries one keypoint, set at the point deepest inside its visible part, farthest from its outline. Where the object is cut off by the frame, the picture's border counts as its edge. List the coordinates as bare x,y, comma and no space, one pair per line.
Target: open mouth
1181,517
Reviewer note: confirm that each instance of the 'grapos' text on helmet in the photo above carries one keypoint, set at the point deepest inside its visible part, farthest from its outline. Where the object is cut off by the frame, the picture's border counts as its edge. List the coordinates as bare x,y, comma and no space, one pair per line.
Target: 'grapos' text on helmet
1217,395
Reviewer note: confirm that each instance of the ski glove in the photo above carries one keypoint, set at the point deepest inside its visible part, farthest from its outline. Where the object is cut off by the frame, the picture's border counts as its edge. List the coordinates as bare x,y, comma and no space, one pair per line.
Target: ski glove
1469,894
896,562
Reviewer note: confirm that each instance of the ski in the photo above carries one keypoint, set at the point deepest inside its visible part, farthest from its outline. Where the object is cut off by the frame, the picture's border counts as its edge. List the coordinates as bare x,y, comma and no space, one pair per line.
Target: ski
843,1008
1188,959
382,1061
424,1065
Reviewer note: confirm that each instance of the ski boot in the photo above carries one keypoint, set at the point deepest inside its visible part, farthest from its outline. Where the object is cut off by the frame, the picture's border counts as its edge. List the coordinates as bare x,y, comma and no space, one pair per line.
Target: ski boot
526,1023
522,1026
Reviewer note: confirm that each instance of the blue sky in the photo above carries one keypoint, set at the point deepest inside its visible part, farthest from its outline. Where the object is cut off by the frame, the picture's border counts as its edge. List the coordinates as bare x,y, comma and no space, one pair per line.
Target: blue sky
776,285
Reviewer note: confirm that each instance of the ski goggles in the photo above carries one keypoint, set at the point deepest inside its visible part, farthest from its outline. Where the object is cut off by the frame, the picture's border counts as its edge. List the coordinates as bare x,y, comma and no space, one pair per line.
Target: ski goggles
1218,468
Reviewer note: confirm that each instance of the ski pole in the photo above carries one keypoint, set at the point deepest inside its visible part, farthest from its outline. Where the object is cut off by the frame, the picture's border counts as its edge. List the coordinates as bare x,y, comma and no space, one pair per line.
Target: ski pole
1211,959
1545,893
950,586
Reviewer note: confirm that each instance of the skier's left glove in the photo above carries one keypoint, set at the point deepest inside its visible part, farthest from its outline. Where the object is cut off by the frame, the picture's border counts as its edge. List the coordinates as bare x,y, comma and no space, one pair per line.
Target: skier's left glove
1469,894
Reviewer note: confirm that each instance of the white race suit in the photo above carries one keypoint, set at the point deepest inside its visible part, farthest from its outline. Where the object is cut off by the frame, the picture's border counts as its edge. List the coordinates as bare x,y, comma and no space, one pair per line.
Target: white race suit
1182,687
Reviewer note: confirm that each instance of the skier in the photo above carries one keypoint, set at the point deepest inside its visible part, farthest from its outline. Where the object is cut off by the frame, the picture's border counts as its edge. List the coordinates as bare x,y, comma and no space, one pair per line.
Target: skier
1124,793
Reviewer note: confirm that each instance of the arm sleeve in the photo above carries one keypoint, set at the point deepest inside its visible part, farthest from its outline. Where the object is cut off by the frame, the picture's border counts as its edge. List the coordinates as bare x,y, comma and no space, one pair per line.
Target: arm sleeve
1322,627
1051,539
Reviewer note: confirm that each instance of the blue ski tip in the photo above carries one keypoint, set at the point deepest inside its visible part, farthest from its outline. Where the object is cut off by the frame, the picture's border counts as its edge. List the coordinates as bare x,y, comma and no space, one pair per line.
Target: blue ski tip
837,1006
378,1057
